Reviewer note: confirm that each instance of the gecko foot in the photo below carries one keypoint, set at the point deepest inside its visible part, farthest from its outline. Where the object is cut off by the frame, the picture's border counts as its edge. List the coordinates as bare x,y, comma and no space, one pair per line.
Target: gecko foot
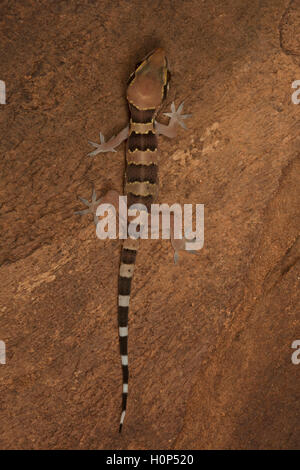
102,147
92,206
176,116
111,144
180,245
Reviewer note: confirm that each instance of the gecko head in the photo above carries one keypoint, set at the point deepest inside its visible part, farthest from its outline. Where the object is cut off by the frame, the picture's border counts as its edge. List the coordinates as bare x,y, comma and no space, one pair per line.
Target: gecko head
148,84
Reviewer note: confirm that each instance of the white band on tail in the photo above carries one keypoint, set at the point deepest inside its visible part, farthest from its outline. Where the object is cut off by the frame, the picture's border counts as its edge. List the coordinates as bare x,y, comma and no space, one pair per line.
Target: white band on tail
123,331
126,270
124,360
122,417
124,300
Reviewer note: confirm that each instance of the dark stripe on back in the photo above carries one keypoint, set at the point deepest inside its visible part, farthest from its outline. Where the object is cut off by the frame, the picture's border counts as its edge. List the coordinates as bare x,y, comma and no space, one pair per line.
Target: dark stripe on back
141,173
133,199
142,141
141,116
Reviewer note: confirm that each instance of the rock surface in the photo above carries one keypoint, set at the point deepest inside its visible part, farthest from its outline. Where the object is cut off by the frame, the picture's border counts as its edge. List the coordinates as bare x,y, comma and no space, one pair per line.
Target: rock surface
210,339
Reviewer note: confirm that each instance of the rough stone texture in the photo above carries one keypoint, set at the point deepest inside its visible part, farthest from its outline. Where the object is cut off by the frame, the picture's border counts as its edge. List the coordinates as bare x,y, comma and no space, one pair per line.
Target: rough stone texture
210,339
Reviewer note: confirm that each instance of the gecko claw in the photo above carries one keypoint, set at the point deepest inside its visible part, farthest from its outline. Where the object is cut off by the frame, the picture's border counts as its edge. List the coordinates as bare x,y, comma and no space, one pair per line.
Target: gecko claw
176,116
92,206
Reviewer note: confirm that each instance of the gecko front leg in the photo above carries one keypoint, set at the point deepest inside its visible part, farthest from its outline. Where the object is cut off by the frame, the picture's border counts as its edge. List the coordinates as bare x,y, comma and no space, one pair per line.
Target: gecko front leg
176,118
170,130
111,144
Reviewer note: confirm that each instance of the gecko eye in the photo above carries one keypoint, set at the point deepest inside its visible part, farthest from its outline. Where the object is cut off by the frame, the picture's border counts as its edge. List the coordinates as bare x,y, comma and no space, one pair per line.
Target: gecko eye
130,78
138,64
166,86
133,73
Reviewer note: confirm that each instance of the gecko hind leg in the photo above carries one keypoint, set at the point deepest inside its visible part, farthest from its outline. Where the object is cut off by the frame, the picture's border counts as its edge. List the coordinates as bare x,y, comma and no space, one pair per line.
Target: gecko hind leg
180,245
92,206
111,197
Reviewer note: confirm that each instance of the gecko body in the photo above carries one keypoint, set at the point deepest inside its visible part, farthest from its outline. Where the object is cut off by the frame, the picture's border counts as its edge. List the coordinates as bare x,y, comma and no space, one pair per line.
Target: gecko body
146,91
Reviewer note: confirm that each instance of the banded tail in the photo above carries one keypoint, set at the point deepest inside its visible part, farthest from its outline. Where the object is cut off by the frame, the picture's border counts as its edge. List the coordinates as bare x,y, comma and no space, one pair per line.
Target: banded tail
128,256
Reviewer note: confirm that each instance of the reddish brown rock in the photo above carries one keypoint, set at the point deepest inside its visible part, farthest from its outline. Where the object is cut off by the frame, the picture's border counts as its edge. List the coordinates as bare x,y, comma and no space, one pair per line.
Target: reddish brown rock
210,339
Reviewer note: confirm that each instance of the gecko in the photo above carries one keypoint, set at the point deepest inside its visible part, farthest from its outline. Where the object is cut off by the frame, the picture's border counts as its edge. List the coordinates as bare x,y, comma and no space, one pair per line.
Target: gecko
147,89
